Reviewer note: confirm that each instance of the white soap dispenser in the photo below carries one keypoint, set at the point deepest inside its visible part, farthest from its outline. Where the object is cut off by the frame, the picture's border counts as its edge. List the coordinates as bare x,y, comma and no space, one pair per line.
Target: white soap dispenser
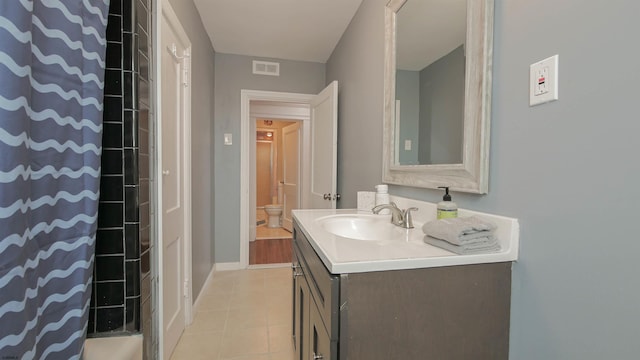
382,197
447,208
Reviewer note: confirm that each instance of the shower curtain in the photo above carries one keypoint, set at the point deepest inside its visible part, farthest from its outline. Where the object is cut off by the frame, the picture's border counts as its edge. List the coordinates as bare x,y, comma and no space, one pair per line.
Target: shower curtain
52,59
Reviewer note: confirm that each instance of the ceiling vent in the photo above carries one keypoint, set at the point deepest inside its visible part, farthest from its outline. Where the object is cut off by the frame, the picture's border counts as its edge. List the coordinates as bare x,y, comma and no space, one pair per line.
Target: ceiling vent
266,68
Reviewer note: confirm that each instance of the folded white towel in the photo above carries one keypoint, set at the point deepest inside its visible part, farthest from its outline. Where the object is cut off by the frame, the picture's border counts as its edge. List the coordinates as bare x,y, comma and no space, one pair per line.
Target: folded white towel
487,244
459,231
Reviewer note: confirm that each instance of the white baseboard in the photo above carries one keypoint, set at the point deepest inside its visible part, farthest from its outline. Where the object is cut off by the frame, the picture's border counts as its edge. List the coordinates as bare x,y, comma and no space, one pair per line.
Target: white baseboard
227,266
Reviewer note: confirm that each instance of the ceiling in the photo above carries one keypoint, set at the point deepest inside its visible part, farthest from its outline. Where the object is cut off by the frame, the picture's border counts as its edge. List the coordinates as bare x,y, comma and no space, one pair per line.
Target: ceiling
428,30
303,30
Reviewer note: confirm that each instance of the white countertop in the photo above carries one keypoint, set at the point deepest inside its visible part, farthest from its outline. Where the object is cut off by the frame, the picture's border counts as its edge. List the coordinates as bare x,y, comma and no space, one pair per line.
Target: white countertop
344,255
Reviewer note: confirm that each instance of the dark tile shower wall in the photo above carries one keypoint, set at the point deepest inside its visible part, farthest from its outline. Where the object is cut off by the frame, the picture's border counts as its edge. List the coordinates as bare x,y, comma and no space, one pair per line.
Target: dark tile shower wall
122,302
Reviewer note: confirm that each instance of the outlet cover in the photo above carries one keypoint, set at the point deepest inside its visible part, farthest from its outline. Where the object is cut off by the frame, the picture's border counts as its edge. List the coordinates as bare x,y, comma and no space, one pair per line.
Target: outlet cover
543,81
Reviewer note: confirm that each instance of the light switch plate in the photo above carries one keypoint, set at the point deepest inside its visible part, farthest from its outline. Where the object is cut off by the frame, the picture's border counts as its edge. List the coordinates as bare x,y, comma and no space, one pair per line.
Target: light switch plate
543,81
228,139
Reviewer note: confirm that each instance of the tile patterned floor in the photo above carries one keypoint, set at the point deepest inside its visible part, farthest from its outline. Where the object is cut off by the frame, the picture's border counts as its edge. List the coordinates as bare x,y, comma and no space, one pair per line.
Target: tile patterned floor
243,315
264,232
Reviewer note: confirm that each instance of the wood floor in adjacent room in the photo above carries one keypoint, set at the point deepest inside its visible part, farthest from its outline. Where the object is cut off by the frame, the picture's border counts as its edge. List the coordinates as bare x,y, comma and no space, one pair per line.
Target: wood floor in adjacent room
270,251
272,245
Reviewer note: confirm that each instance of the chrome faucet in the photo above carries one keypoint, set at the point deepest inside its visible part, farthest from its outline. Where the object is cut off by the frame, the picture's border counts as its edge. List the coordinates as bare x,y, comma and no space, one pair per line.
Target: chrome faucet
399,217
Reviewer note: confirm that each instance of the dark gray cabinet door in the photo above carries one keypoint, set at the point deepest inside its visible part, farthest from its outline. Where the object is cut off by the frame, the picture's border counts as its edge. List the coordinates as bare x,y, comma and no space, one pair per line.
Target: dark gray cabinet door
301,303
319,338
296,273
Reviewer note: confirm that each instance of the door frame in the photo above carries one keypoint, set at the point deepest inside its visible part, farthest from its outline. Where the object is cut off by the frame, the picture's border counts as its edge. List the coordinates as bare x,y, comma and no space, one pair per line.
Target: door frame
248,137
165,10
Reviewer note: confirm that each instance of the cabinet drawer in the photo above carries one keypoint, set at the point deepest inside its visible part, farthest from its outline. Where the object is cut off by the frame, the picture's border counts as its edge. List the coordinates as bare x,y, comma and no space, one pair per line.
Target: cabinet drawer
324,286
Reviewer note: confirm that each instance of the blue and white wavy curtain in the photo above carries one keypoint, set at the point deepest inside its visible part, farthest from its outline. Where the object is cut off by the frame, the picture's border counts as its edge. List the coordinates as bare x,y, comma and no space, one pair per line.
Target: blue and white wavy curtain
51,91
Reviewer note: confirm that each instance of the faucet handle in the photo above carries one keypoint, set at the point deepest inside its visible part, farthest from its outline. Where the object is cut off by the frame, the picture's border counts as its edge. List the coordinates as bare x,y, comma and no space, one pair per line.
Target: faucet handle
408,219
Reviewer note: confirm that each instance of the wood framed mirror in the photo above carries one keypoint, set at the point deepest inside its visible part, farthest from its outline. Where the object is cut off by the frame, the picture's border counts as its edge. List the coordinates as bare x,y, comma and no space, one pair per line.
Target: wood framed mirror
436,129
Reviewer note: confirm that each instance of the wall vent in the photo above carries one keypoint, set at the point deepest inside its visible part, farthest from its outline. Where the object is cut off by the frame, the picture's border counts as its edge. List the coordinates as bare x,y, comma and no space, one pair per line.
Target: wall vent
266,68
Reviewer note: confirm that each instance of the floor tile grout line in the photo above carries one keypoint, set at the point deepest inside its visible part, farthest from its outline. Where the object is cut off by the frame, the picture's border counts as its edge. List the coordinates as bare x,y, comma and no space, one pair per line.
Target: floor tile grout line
265,310
264,276
224,330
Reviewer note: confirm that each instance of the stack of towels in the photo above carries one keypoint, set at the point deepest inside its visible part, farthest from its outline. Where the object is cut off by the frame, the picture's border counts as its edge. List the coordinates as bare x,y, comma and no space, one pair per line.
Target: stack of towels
468,235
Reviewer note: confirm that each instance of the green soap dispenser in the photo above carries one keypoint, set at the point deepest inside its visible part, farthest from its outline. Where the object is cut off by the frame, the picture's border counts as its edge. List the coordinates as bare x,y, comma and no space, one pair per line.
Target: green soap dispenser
447,208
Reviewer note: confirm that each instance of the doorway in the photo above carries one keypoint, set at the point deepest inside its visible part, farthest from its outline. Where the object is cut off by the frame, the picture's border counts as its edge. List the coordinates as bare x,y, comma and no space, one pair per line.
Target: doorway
318,154
277,179
260,106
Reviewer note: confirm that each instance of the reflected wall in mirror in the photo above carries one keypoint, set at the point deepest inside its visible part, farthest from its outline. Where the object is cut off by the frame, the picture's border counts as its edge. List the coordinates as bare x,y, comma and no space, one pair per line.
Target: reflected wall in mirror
430,82
438,93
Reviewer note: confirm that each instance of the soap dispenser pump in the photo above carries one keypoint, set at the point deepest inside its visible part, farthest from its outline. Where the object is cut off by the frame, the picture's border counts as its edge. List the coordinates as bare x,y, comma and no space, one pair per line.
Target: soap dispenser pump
446,208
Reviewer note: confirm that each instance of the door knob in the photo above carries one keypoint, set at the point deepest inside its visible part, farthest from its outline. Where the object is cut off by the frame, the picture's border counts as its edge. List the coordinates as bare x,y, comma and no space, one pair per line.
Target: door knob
331,196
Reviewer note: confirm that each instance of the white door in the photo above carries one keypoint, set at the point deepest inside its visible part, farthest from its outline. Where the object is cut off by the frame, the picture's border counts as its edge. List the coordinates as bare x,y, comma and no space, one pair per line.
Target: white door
172,190
291,172
324,143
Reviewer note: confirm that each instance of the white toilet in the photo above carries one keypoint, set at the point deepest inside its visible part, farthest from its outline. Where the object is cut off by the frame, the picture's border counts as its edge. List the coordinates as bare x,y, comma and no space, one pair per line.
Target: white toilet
274,210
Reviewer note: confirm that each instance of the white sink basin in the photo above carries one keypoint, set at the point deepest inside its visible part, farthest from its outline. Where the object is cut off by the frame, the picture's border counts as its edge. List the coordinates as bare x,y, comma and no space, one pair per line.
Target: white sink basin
362,227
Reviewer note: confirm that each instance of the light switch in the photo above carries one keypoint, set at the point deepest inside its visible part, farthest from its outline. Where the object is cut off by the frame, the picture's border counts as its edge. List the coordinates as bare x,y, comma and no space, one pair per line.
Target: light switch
228,139
543,81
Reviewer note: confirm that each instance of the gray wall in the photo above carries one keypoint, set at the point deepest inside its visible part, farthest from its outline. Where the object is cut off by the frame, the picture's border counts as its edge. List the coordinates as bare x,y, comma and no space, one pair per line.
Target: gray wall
233,74
568,170
202,78
357,63
442,109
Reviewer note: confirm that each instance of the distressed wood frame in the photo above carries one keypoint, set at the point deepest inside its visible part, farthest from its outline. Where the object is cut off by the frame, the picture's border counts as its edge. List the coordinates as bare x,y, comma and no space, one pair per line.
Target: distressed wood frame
473,174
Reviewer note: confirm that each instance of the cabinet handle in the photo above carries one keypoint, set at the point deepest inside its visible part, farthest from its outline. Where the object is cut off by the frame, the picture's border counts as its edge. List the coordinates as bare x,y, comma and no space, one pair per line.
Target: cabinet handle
295,268
317,357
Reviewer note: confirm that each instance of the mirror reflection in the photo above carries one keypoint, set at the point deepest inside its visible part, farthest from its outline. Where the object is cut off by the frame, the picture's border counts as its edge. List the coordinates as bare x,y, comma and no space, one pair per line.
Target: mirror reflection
429,148
430,82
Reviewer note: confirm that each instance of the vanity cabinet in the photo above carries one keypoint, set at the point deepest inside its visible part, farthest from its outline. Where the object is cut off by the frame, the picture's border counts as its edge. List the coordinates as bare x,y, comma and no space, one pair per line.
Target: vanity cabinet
451,312
315,308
